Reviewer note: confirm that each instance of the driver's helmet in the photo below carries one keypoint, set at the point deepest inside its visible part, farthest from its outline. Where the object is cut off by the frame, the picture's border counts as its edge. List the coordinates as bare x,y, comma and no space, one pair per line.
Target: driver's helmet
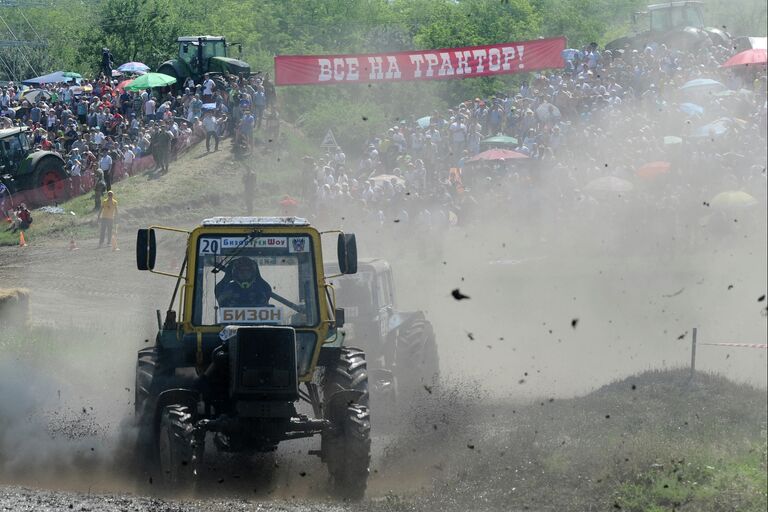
244,272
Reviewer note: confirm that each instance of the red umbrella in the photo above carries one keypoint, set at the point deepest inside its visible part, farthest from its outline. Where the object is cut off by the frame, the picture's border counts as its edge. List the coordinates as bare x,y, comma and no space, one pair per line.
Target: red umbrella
288,201
497,154
121,85
653,169
755,56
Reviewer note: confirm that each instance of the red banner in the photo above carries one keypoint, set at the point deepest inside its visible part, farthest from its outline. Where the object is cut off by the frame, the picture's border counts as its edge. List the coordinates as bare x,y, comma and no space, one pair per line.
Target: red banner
467,62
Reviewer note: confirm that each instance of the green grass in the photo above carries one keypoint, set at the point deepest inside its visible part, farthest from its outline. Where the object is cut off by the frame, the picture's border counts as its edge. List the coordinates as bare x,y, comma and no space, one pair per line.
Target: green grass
706,481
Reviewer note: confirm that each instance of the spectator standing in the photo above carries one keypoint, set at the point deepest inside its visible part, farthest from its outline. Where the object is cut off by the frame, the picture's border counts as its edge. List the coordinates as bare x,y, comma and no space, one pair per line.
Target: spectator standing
211,125
105,166
107,217
149,109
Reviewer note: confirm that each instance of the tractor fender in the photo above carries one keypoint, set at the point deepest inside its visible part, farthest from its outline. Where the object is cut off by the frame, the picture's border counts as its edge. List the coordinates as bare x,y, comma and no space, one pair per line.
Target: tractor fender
719,36
400,319
29,164
179,67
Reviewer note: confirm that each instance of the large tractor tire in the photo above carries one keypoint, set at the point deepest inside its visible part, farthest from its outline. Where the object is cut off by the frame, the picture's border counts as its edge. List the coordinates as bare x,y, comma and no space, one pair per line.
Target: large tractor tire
177,452
50,181
417,362
346,447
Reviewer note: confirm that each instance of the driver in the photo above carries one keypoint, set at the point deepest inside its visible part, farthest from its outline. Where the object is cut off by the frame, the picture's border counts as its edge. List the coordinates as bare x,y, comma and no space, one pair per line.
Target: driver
243,285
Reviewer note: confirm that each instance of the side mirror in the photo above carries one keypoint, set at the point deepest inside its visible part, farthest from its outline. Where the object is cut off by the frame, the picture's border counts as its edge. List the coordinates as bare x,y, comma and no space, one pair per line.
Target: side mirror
347,253
338,316
146,249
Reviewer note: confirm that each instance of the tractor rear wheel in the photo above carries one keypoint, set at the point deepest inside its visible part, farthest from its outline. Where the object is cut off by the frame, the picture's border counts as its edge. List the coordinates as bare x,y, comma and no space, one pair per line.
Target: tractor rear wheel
179,456
346,447
416,358
51,181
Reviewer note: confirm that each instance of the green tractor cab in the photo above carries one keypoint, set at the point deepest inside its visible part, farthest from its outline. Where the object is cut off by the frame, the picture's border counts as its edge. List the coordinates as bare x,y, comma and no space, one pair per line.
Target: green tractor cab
679,25
40,176
199,55
257,332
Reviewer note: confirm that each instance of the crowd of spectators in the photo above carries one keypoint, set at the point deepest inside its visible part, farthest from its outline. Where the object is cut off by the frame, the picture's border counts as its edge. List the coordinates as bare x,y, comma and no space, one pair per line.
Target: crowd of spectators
105,133
607,114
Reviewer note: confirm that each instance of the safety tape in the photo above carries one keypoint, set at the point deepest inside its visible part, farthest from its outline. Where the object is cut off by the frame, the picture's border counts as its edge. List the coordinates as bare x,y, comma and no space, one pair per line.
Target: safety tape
746,345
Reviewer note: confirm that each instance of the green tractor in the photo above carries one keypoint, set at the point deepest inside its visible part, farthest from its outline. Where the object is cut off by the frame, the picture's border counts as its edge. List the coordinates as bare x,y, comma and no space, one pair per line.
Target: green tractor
257,333
199,55
36,177
679,25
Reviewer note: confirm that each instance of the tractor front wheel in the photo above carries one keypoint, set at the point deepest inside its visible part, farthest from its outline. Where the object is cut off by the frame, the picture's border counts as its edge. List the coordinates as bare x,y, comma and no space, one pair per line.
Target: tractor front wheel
346,446
179,456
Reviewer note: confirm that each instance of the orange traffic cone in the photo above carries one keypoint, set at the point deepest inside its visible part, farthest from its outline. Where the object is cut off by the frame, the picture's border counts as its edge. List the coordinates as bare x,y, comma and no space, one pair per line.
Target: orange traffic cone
22,240
114,242
73,245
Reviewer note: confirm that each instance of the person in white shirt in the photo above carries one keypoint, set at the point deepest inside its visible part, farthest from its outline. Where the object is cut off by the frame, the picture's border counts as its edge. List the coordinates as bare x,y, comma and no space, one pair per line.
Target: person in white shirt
128,157
208,86
211,125
149,109
105,165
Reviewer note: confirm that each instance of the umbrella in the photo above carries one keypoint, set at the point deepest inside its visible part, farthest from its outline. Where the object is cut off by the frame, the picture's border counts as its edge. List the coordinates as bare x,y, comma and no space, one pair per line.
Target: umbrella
496,154
670,140
500,139
78,90
34,96
133,67
691,109
54,78
388,178
702,84
609,184
288,201
424,122
546,112
715,128
121,85
653,169
733,199
149,81
752,57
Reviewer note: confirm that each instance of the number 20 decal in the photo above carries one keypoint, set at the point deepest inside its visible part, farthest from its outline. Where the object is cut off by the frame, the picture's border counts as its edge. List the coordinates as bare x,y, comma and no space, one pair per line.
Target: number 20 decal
209,246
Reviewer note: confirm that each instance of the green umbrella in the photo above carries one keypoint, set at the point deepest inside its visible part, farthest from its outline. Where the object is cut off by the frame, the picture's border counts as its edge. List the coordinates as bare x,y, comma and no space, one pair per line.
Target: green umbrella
72,74
500,139
149,81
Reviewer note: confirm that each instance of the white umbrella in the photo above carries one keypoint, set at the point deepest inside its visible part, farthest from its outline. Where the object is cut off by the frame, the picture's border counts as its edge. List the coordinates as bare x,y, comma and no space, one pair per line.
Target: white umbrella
609,184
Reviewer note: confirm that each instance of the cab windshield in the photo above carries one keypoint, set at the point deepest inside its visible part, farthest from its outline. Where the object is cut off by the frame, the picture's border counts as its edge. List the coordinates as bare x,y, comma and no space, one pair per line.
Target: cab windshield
266,280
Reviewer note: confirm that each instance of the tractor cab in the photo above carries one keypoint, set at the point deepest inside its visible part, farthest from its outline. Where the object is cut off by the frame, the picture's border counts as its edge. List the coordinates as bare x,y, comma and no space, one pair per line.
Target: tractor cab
675,15
196,52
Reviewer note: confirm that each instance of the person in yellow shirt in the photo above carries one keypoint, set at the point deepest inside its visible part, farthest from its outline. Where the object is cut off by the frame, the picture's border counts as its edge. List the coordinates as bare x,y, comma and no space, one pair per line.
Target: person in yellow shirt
107,216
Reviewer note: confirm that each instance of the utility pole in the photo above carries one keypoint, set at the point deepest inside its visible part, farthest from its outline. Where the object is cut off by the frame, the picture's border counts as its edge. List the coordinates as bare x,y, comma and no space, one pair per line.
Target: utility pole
15,45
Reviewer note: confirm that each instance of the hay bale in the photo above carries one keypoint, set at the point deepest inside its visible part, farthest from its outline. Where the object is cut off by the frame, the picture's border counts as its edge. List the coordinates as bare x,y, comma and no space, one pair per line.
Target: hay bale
14,307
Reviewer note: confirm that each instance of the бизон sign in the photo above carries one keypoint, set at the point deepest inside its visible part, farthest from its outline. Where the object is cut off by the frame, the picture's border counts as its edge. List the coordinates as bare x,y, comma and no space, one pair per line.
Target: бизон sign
465,62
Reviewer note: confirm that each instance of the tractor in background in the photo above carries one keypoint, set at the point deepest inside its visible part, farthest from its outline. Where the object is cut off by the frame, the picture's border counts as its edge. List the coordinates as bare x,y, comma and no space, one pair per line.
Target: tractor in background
39,176
401,346
199,55
678,25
